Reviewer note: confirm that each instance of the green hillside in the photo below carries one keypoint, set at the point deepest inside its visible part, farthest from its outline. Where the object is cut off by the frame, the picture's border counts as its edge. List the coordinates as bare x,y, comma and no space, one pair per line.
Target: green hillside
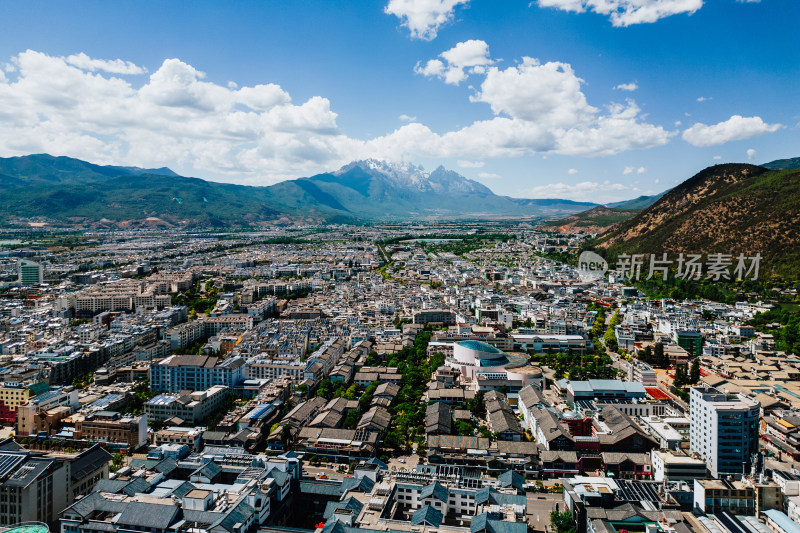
66,190
730,209
783,164
642,202
595,220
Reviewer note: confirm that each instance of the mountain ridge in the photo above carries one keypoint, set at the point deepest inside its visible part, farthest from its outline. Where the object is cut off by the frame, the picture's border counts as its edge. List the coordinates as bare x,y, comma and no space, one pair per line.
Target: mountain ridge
70,190
730,209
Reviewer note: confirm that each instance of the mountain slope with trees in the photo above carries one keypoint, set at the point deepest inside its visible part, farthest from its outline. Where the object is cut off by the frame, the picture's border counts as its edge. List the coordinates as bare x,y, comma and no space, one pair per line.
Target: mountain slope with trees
62,189
729,209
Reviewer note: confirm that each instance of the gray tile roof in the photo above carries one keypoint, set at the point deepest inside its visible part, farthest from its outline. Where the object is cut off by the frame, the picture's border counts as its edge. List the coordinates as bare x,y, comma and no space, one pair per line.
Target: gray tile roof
88,461
351,504
439,418
149,515
363,484
491,524
238,515
427,516
511,479
436,490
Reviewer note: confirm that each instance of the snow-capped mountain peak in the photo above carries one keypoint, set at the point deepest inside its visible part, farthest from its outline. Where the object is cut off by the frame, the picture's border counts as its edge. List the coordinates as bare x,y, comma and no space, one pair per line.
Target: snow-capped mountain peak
404,175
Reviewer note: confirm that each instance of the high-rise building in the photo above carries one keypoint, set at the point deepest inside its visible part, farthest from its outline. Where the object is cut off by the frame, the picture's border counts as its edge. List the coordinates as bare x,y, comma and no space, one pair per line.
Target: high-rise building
724,430
29,273
691,341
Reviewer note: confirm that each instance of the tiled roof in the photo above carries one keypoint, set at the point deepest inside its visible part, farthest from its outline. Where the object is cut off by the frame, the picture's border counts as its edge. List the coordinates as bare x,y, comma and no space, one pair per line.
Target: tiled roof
427,516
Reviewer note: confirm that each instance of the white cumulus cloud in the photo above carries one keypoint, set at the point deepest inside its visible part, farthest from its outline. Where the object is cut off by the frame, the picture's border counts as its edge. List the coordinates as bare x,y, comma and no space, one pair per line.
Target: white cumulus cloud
547,93
172,118
114,66
468,57
631,170
627,87
735,128
751,153
572,171
489,176
407,118
584,191
423,18
257,134
627,12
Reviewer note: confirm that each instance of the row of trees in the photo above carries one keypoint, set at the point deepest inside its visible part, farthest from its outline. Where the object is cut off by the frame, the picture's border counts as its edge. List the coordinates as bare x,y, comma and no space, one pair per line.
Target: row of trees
340,389
408,413
597,327
610,337
578,367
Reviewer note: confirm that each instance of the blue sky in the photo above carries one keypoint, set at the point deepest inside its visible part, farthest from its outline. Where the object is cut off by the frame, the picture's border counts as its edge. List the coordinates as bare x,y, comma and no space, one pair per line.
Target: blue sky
585,99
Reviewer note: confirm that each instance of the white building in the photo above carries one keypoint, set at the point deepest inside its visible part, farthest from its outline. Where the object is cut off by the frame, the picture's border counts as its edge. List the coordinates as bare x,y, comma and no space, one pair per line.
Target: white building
724,430
670,466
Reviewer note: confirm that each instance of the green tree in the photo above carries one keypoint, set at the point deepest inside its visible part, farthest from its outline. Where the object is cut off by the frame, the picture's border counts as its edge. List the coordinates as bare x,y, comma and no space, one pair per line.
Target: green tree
562,522
351,392
351,419
325,389
141,394
694,371
463,427
681,376
660,359
647,355
366,397
117,462
477,404
286,436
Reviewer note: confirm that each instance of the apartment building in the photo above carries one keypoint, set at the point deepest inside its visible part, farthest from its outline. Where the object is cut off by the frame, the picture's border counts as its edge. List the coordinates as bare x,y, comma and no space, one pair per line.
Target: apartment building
724,430
110,426
192,408
195,373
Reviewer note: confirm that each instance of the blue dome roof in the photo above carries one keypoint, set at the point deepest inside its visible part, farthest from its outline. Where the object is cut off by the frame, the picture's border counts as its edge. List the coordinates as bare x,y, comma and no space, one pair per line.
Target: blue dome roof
480,346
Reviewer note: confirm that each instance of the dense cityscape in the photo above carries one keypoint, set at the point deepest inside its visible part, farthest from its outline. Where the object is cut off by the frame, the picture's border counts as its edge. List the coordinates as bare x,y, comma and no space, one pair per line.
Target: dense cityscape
416,377
400,266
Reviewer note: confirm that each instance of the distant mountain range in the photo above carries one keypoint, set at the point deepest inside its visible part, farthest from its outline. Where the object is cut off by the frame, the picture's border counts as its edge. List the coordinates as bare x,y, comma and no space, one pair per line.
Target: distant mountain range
726,208
63,189
642,202
783,164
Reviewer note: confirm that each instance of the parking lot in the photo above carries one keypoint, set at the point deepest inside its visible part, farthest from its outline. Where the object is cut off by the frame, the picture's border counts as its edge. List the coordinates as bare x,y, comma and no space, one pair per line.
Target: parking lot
406,462
539,508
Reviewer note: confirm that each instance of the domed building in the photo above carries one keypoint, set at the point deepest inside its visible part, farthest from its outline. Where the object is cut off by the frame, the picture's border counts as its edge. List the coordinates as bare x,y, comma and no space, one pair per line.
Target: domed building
492,368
